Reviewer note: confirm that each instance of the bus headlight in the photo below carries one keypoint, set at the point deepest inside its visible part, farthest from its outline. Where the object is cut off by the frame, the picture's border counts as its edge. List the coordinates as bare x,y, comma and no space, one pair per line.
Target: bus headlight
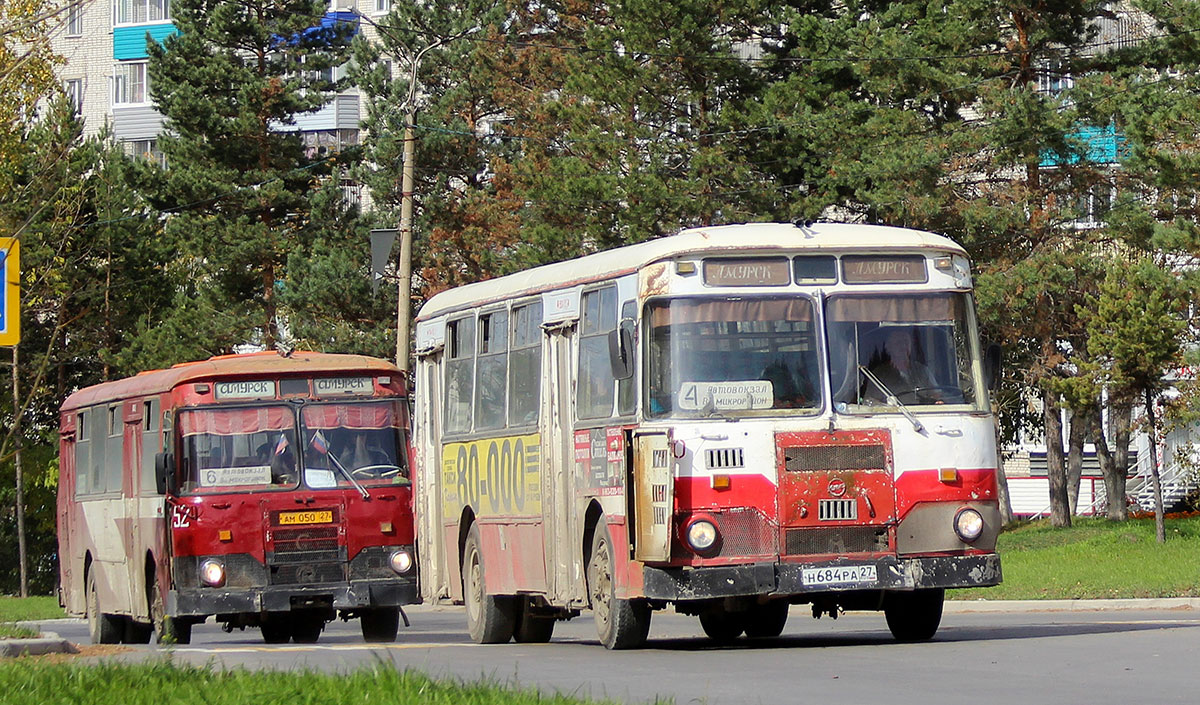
212,572
701,535
968,524
400,561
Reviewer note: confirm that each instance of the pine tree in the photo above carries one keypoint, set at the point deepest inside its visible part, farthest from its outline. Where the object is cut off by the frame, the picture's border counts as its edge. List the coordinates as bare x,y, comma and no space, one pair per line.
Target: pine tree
240,179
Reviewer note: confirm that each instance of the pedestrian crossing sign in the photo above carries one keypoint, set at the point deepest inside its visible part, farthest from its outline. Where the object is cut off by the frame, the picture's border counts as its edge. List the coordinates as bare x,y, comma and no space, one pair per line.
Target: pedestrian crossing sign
10,291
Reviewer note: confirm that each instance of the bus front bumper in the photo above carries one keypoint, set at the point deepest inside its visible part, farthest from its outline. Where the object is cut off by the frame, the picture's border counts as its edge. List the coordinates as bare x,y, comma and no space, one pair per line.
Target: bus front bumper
891,573
356,594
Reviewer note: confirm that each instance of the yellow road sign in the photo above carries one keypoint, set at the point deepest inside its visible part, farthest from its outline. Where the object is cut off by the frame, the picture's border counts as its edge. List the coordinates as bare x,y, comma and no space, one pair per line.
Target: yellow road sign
10,291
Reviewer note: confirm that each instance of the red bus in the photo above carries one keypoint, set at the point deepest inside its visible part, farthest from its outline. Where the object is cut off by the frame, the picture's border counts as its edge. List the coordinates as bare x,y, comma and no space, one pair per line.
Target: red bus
266,490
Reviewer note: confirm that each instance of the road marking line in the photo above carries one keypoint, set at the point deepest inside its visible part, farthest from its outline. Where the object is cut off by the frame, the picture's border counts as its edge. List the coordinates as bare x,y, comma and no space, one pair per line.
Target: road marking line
308,647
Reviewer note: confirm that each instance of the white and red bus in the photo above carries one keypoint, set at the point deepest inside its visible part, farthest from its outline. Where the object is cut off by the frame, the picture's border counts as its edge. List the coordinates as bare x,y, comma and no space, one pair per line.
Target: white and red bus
730,420
264,490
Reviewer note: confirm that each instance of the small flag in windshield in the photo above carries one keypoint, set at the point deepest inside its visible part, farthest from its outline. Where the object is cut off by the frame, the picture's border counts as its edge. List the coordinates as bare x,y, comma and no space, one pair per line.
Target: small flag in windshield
282,444
319,444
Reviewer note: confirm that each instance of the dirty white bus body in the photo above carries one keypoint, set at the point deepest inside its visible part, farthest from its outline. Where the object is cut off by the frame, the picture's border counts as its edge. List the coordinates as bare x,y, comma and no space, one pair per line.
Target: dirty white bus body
729,420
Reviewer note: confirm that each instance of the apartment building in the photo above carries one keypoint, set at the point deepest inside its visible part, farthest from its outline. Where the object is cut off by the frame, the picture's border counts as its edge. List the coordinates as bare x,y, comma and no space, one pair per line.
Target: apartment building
107,78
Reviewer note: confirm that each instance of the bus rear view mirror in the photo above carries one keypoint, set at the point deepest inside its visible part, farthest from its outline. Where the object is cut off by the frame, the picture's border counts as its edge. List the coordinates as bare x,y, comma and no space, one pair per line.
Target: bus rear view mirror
164,473
620,350
991,366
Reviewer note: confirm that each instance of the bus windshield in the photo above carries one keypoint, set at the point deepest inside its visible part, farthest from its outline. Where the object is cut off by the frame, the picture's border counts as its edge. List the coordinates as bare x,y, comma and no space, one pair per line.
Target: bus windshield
914,350
255,448
709,355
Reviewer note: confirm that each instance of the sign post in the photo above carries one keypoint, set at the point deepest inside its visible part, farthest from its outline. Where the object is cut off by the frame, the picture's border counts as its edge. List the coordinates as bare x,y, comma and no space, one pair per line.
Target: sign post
10,291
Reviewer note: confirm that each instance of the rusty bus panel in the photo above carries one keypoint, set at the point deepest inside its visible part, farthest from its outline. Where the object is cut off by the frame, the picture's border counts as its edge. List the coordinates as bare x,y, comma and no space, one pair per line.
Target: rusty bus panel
653,495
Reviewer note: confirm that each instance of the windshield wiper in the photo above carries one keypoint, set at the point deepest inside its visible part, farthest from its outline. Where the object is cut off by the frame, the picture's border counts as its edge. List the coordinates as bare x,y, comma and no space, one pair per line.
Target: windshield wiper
338,464
892,399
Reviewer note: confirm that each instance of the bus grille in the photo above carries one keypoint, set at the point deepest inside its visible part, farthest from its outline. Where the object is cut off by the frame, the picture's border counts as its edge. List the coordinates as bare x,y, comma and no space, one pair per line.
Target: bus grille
746,532
851,539
837,509
306,573
307,538
724,458
841,457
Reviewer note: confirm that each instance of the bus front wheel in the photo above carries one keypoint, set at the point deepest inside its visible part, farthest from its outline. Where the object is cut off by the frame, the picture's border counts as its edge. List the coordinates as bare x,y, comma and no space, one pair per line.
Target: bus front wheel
491,619
170,630
621,624
103,628
914,616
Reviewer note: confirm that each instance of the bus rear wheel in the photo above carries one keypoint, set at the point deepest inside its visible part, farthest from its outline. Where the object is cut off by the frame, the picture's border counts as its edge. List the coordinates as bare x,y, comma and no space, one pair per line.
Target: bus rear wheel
102,628
491,619
532,628
914,616
721,625
380,624
767,620
307,627
621,624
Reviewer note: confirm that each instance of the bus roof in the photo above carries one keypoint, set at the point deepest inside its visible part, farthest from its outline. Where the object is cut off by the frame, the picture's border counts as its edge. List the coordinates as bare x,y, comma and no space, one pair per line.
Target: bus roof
749,237
225,366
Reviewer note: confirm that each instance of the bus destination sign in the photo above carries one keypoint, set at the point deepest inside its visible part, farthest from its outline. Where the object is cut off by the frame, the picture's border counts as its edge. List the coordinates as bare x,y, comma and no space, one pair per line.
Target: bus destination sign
871,269
338,386
747,271
246,389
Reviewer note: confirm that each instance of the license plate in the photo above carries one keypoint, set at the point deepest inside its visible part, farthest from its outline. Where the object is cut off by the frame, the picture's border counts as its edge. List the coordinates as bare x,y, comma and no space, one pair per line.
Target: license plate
839,575
322,517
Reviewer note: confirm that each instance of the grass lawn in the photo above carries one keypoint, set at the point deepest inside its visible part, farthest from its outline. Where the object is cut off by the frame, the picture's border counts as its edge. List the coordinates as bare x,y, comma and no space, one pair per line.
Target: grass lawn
12,631
1096,558
16,609
29,681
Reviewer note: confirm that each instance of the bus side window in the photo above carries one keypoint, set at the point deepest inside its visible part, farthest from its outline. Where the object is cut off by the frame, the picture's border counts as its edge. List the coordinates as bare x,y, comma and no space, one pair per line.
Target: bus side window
525,365
492,370
83,455
627,388
596,386
460,374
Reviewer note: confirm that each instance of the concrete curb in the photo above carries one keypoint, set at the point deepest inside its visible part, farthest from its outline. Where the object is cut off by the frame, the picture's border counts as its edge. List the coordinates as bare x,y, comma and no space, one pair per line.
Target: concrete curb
47,643
1164,603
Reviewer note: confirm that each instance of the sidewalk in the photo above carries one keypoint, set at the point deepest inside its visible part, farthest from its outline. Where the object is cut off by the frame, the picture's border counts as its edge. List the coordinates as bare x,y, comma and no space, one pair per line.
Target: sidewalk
1157,603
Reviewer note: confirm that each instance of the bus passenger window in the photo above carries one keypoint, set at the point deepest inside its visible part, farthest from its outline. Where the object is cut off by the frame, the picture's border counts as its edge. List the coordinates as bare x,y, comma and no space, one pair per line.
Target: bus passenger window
492,371
596,386
460,373
525,365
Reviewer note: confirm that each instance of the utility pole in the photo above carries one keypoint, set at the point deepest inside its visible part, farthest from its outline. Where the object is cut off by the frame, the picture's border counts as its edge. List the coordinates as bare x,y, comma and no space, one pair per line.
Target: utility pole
21,551
404,293
404,267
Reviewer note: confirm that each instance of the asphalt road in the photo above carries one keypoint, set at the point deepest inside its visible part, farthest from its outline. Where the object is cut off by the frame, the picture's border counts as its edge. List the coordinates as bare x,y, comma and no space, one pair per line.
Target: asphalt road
1094,657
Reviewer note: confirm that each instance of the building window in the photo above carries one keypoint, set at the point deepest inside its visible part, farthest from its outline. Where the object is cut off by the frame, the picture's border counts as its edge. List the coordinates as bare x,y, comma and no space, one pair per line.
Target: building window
75,19
146,149
73,87
129,84
383,6
141,11
1054,76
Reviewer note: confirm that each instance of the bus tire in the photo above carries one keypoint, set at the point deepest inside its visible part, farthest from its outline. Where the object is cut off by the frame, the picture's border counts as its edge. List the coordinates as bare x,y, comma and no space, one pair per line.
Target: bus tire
767,620
491,619
380,624
621,624
103,628
532,628
138,632
721,625
168,630
914,616
307,628
275,629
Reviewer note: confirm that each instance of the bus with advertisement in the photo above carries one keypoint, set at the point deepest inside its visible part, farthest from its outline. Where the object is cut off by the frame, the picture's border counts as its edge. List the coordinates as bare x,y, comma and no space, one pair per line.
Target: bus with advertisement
264,490
730,421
